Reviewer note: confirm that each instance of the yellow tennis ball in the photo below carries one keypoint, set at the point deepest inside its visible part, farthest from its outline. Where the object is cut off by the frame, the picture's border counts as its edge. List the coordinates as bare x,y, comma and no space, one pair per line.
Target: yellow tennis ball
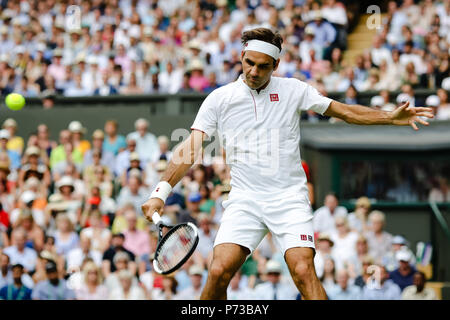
15,101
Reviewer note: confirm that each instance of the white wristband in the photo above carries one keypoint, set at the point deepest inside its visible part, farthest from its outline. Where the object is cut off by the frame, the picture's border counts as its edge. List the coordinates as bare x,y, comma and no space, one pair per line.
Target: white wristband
162,191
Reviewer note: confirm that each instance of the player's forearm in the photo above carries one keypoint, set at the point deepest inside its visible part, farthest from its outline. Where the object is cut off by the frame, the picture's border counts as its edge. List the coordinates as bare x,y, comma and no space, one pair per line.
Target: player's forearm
183,158
358,114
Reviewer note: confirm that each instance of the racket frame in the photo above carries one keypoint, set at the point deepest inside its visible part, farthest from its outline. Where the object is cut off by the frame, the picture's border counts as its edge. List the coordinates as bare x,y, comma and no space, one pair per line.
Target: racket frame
158,221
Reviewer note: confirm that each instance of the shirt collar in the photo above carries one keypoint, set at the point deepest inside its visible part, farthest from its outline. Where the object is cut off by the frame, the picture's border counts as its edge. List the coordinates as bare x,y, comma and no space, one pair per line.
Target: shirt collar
253,91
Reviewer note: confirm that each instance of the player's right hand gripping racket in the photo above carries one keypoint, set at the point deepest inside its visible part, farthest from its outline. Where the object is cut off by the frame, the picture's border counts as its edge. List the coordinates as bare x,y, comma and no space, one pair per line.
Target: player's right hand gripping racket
175,247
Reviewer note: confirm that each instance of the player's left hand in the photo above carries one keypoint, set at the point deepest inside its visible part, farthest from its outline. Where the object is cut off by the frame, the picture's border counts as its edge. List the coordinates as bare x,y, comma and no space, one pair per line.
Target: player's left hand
406,115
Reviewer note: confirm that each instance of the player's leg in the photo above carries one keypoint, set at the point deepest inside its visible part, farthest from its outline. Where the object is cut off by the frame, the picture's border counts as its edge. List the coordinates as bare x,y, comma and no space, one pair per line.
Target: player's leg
290,222
301,266
227,259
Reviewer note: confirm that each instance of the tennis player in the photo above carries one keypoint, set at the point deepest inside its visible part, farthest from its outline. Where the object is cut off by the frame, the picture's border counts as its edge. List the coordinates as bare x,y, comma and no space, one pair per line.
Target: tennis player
257,118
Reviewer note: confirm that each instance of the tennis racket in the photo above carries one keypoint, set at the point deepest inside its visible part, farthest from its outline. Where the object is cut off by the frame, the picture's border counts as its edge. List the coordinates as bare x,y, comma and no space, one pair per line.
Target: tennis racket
175,247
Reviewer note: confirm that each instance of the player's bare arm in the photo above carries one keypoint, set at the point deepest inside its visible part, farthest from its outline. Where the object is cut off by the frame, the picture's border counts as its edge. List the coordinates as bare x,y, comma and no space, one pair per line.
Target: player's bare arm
357,114
183,158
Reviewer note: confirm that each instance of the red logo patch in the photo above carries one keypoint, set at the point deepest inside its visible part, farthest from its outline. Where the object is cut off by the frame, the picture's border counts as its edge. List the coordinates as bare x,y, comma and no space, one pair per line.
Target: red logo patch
303,237
157,189
274,97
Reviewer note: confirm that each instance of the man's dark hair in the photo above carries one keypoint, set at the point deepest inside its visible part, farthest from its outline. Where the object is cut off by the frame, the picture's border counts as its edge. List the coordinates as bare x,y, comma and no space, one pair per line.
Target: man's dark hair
119,235
263,34
424,278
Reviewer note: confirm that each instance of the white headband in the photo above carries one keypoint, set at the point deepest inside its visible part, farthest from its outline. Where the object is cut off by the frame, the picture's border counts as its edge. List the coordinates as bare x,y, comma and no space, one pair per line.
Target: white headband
263,47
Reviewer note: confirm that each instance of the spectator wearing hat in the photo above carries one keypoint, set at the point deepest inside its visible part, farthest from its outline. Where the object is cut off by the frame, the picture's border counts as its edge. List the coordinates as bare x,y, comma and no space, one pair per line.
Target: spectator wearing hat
377,102
14,157
273,288
15,142
92,287
113,142
192,209
398,243
135,167
198,81
16,290
324,216
78,131
418,290
73,172
54,288
154,172
344,290
26,204
18,252
193,292
146,142
382,288
434,102
324,247
34,167
66,188
403,276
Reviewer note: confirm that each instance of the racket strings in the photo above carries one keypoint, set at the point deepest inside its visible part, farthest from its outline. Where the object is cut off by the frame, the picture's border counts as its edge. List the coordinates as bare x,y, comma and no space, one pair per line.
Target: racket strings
175,247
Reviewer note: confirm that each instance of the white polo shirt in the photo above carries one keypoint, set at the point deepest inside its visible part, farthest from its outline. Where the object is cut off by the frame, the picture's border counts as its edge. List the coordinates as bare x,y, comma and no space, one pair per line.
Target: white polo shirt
261,134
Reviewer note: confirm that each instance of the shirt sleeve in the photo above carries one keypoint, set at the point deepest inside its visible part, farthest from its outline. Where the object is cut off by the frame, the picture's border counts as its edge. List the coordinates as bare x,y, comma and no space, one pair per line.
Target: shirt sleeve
311,99
206,119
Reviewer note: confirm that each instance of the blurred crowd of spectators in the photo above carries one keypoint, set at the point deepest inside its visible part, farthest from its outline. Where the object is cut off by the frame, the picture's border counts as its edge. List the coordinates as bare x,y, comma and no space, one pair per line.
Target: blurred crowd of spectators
151,46
71,226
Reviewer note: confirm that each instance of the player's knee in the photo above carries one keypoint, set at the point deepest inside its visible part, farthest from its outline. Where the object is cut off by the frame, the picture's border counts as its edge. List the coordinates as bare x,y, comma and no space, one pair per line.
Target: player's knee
304,271
219,273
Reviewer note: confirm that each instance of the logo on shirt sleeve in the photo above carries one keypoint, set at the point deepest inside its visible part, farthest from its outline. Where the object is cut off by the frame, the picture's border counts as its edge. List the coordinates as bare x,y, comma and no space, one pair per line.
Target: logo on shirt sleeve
305,237
274,97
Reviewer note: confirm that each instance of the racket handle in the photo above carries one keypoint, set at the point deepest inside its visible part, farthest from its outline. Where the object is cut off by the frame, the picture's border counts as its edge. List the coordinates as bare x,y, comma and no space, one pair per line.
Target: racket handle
156,218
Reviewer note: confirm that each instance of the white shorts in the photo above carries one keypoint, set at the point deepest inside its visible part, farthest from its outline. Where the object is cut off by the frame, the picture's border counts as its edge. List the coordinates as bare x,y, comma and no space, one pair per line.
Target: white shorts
246,221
